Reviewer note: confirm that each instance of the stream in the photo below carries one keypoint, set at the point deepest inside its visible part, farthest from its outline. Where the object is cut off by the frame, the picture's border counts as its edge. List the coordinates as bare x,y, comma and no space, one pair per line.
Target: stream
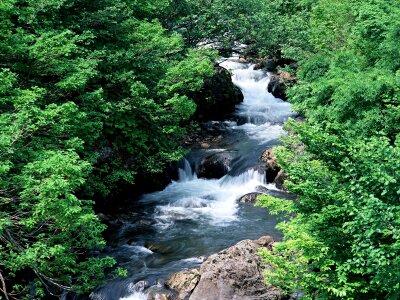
170,230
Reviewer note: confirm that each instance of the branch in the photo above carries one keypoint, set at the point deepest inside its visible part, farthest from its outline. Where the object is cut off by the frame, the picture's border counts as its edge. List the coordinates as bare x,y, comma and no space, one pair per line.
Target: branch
4,289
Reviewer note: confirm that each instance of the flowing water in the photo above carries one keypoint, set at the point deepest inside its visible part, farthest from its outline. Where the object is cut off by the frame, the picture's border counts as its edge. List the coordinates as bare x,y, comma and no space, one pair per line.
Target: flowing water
174,229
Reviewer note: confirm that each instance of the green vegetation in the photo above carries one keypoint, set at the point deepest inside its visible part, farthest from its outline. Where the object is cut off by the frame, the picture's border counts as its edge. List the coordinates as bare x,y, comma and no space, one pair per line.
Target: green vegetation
342,234
91,92
94,92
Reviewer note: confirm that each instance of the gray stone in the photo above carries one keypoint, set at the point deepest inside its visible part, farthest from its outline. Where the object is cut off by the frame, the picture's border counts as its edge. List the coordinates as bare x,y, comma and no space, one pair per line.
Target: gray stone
236,273
183,282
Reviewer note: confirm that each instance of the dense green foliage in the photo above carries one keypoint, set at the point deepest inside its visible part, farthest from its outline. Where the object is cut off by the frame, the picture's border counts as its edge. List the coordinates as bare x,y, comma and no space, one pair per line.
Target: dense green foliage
342,234
91,92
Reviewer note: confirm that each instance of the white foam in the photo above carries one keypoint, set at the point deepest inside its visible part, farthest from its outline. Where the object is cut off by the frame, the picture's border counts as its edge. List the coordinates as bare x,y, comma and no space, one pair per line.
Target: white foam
138,250
135,296
263,112
198,198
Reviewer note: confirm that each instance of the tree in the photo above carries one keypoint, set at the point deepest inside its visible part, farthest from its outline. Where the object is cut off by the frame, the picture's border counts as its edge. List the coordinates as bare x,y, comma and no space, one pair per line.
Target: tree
341,235
91,93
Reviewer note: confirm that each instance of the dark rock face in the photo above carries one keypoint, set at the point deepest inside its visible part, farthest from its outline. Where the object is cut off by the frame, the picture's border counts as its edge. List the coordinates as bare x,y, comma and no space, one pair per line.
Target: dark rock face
279,82
280,179
218,96
271,165
235,273
216,165
268,65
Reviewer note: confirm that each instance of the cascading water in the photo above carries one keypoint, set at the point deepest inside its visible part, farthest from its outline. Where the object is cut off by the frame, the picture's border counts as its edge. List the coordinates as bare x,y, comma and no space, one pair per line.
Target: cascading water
192,216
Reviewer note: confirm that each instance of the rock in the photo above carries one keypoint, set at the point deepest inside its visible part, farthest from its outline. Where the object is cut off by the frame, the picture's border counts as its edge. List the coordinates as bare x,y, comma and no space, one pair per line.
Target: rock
218,97
262,189
268,65
271,165
146,182
103,218
281,194
278,83
159,248
216,126
205,145
236,273
139,286
216,165
183,282
280,179
158,292
250,197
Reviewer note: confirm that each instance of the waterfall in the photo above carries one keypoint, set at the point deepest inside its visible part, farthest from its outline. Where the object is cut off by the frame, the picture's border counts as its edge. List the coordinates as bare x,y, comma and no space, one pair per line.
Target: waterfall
186,173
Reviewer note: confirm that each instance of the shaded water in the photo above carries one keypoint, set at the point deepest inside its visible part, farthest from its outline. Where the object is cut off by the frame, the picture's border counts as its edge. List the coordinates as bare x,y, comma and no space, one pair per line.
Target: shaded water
193,217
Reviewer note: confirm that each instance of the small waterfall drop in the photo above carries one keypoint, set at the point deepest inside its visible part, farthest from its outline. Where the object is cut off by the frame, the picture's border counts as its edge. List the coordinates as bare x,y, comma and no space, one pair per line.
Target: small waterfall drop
186,173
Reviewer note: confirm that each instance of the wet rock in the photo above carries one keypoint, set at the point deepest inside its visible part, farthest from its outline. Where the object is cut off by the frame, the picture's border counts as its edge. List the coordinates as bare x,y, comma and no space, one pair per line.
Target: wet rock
280,179
268,65
250,197
158,247
218,96
139,286
205,145
262,189
103,218
183,282
159,292
279,82
128,218
271,165
236,273
281,194
150,182
217,165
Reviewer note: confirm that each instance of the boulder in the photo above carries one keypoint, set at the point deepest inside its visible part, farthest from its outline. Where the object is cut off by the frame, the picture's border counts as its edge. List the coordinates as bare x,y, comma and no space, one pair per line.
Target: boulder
159,247
183,282
268,65
103,218
250,197
271,165
280,179
262,189
279,82
159,292
236,273
218,97
217,165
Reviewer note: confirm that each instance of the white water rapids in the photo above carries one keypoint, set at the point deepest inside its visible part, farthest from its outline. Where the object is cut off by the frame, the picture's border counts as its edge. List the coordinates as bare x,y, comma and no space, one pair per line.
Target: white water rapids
216,199
195,215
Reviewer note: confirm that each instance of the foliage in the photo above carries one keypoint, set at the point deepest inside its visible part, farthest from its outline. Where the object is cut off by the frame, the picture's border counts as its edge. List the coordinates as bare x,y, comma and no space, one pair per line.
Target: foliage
341,235
91,93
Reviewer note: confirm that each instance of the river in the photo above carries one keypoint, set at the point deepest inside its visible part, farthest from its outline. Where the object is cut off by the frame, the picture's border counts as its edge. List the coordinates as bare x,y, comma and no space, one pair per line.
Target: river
174,229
